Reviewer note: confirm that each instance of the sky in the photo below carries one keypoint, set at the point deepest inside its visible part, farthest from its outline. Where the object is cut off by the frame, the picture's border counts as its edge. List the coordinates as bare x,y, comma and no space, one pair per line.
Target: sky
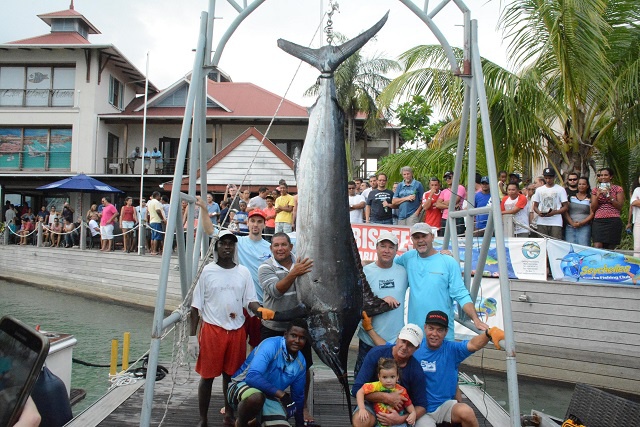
168,31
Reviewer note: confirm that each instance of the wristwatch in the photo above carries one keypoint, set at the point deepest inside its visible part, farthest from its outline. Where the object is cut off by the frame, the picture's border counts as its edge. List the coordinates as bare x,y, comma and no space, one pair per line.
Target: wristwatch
486,332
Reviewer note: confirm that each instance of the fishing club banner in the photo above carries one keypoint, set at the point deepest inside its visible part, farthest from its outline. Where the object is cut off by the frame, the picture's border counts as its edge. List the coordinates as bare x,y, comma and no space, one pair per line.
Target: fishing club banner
526,258
575,263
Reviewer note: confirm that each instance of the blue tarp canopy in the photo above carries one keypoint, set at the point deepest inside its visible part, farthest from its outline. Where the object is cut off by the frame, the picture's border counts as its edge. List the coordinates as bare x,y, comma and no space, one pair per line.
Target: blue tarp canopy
81,183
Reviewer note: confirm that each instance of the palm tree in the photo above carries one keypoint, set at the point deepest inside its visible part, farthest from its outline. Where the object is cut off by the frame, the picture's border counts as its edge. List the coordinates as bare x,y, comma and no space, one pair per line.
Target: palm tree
359,82
577,85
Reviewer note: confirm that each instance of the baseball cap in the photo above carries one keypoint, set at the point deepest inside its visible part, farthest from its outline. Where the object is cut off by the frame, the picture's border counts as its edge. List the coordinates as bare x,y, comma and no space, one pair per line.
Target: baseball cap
421,227
258,212
225,233
437,317
516,174
548,172
448,174
484,180
387,235
412,333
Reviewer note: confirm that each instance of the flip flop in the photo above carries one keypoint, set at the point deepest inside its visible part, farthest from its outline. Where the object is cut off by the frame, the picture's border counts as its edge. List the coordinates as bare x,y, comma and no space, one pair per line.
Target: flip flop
311,423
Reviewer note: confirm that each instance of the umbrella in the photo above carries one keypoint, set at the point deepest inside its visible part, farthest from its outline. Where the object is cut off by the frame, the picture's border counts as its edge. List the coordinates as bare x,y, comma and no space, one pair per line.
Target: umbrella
80,183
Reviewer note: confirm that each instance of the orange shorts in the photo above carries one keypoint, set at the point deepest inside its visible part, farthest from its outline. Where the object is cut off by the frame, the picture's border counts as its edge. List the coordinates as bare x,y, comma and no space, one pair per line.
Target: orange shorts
220,350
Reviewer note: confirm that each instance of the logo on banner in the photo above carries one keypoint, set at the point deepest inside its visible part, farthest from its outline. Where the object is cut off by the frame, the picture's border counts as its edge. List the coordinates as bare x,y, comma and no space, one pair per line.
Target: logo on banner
531,250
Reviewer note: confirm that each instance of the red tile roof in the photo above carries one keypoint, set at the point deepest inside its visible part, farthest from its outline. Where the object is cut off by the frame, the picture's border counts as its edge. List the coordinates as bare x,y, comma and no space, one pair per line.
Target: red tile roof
69,13
243,99
54,38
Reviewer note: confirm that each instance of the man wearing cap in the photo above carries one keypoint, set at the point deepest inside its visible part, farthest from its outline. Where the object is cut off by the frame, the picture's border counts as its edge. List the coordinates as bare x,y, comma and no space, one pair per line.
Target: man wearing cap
379,208
443,203
388,281
439,359
278,278
550,203
408,197
435,281
514,178
411,378
482,198
223,290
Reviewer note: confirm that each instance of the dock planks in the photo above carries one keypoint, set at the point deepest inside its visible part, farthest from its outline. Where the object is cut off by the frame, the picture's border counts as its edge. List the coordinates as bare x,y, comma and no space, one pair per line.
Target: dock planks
329,404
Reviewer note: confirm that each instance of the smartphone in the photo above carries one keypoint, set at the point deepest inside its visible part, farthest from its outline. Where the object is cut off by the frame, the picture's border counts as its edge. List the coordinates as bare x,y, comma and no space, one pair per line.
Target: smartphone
22,354
604,186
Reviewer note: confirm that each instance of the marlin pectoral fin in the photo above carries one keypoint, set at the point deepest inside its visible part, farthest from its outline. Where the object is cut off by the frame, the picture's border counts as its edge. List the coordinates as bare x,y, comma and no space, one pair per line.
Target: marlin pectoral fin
328,58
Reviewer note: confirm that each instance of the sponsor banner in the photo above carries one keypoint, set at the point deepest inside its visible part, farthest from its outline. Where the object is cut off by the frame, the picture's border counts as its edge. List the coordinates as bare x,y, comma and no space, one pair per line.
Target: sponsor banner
575,263
488,306
526,258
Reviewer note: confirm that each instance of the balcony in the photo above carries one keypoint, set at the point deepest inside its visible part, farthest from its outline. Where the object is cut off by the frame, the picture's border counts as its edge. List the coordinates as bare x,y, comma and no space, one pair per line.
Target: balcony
122,166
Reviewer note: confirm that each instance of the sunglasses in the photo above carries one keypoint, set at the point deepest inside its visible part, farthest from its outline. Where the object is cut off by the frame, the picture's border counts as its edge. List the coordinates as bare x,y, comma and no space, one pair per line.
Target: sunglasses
573,179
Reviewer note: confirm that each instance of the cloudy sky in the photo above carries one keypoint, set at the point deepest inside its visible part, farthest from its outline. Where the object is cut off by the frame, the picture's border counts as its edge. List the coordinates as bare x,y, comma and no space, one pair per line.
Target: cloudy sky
168,30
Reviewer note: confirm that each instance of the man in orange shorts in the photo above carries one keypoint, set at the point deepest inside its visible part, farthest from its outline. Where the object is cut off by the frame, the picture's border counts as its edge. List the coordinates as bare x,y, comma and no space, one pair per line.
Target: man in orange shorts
223,290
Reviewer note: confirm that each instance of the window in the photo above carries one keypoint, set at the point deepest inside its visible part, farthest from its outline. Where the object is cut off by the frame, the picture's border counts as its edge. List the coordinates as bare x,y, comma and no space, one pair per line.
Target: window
116,93
288,147
35,148
37,86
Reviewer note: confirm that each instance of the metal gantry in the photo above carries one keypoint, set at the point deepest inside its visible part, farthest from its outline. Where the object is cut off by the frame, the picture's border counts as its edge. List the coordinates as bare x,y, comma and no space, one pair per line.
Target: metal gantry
194,125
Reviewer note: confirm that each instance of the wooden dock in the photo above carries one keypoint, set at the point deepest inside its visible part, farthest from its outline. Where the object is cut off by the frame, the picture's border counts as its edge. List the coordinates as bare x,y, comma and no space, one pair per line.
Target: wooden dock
121,407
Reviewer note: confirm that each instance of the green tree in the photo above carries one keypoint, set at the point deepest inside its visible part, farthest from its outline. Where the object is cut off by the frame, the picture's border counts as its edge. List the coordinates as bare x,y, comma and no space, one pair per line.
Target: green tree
574,97
359,82
415,118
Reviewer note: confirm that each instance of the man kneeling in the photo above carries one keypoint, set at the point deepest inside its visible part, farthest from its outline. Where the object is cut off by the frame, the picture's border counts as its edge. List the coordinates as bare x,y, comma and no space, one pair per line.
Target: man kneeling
257,388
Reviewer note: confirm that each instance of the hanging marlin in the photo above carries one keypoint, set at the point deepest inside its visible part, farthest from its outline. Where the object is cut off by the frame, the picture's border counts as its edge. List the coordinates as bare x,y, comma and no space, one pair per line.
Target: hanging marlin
336,291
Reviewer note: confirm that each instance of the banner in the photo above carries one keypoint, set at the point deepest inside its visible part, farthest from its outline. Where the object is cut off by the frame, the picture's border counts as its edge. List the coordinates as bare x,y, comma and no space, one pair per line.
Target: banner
575,263
488,306
526,257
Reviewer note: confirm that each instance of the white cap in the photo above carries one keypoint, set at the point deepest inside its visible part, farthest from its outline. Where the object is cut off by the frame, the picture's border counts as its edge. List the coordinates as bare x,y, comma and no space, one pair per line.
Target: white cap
387,235
421,227
412,333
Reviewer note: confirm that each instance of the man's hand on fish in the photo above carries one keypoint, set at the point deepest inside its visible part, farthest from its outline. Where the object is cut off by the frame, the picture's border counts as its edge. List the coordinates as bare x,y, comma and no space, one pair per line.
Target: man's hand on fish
301,267
393,303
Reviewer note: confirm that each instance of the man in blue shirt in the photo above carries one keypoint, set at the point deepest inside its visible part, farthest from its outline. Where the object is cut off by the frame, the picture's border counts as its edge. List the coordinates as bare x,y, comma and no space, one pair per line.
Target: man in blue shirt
213,209
407,198
411,378
435,280
257,388
482,198
439,360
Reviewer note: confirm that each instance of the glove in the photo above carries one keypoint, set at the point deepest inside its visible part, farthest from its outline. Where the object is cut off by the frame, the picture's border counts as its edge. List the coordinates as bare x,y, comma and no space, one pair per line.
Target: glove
193,348
496,334
288,404
366,322
266,314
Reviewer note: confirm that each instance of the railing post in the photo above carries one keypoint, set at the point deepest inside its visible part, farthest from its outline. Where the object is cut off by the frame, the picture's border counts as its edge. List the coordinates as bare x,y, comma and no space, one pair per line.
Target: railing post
39,234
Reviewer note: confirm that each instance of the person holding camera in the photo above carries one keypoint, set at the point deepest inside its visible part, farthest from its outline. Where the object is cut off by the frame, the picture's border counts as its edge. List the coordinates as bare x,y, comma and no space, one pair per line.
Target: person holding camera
607,200
550,203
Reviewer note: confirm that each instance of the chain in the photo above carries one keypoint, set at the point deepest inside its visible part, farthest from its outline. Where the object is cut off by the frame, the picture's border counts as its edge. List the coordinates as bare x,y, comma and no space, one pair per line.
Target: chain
328,29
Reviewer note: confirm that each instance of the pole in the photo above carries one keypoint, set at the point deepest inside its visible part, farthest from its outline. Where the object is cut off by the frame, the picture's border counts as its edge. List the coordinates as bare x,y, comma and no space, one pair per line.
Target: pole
141,239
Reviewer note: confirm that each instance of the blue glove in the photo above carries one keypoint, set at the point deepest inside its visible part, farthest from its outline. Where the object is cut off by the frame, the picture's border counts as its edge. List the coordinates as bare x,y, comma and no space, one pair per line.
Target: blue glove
289,405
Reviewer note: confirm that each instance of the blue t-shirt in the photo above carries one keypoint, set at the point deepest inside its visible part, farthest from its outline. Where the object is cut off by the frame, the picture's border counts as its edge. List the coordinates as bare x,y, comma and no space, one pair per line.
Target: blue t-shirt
406,209
270,368
211,209
242,216
440,368
251,254
434,283
386,282
411,376
481,200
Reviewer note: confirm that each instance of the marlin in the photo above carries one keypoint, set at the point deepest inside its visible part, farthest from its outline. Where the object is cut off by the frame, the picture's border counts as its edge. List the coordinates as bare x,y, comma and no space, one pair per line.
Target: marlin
336,291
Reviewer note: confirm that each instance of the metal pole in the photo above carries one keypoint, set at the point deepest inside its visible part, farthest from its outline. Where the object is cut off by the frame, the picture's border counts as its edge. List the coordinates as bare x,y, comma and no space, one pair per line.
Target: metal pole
512,375
141,237
156,334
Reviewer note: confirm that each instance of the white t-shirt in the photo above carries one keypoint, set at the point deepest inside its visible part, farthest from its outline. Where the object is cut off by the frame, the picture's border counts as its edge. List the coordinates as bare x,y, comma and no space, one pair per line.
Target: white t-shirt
356,214
93,224
258,202
521,217
222,293
550,199
635,211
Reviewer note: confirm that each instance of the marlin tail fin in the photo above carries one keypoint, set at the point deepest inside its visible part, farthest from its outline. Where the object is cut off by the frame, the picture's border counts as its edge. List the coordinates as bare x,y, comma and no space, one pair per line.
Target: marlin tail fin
328,58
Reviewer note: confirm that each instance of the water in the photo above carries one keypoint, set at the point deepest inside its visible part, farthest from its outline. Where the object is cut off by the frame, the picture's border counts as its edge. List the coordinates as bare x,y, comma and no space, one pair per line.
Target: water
93,323
96,323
